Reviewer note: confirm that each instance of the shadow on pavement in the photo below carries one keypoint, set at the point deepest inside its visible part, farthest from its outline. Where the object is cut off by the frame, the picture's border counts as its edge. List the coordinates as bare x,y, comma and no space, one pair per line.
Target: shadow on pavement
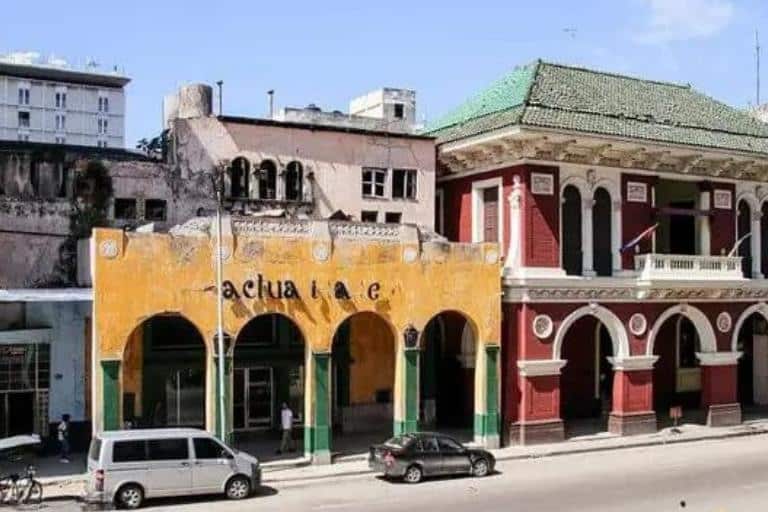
439,478
262,492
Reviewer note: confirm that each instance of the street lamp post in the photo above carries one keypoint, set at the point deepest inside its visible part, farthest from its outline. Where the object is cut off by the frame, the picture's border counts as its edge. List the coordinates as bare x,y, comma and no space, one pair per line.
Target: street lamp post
218,185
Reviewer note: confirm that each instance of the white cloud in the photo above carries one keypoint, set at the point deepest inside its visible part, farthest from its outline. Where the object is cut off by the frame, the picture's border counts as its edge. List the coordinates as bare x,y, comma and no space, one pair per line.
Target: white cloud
680,20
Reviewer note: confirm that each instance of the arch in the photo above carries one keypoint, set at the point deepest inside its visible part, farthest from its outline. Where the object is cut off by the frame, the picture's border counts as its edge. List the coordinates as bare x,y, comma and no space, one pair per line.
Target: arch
759,308
197,328
239,173
262,314
384,319
613,324
470,322
294,181
750,199
571,256
703,327
267,173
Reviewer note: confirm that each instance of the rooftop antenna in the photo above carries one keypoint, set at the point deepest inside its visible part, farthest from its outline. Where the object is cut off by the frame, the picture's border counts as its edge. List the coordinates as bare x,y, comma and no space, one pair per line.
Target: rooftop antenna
757,66
271,97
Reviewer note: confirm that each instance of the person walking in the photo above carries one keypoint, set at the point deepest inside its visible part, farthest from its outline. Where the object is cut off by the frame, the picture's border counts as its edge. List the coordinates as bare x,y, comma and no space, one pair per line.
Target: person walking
286,424
63,435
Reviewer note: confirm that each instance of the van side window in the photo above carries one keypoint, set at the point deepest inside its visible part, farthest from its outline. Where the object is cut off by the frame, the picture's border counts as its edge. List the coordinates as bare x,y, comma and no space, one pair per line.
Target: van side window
168,449
129,451
209,449
94,451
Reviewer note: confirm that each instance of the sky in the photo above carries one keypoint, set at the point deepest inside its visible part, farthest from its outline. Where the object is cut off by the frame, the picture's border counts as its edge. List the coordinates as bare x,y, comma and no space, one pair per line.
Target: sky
327,52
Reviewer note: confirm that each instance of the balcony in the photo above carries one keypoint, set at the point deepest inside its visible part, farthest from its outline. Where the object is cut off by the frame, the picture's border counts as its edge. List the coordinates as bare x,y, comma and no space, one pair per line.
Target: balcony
681,267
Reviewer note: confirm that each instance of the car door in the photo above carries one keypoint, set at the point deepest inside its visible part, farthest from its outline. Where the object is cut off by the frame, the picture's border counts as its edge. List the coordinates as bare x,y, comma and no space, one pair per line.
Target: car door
212,465
169,470
428,455
455,458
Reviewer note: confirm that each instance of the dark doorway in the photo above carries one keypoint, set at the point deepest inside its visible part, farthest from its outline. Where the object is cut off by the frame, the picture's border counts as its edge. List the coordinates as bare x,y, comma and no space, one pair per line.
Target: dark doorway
571,231
682,230
491,214
18,412
744,226
677,373
601,233
764,240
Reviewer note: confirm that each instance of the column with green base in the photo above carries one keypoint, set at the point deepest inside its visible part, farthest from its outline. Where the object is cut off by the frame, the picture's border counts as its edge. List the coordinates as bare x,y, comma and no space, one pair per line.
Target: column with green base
110,388
225,436
317,436
487,417
410,389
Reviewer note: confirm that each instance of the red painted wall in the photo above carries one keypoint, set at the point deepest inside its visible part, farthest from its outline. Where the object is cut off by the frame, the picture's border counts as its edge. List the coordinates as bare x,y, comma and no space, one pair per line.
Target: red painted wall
635,218
541,221
541,398
722,224
633,391
718,385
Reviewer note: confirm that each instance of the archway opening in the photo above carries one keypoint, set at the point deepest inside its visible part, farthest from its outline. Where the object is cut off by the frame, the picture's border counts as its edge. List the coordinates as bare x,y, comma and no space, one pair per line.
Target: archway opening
602,249
744,227
268,371
447,375
586,380
267,175
677,373
238,176
363,381
164,374
294,181
752,342
571,232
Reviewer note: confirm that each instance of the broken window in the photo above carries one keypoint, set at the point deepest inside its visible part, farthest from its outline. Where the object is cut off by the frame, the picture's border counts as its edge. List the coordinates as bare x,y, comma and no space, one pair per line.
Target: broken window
155,210
63,180
393,217
23,119
369,216
125,208
399,111
404,184
374,180
238,177
267,180
293,181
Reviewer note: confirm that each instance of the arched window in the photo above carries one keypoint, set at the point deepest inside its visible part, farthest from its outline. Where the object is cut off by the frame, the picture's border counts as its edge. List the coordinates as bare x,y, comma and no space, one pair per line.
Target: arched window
571,231
743,226
294,175
267,180
238,177
601,233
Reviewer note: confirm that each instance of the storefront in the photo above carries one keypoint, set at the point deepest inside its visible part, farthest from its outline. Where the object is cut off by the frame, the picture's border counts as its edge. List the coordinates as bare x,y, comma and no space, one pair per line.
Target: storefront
349,324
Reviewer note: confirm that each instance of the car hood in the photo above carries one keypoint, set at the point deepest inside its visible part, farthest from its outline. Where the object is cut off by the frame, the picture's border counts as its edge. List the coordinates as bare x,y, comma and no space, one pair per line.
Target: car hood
247,457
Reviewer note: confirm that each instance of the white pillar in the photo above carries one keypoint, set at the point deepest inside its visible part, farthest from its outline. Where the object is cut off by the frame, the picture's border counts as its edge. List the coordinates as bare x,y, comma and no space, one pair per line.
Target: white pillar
755,243
703,224
760,369
514,258
586,237
616,237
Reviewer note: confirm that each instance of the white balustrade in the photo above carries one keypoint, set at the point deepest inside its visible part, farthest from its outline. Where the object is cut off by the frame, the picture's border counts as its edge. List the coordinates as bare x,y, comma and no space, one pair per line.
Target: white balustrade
685,267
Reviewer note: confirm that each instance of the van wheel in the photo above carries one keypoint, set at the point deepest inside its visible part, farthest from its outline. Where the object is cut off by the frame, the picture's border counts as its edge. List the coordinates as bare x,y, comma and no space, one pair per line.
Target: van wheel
130,496
238,488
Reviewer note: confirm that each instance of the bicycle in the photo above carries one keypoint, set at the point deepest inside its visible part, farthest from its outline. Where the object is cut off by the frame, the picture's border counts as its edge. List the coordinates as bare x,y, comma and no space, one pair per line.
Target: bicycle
21,489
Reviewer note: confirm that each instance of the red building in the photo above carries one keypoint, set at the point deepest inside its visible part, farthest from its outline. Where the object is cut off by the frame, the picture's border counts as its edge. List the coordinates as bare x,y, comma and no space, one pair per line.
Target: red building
566,168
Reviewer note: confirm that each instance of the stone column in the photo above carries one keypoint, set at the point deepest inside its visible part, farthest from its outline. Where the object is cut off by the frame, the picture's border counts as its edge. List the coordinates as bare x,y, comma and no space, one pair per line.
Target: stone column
616,238
586,237
539,410
760,369
514,259
703,223
224,435
719,382
409,422
755,245
487,421
110,393
632,404
317,429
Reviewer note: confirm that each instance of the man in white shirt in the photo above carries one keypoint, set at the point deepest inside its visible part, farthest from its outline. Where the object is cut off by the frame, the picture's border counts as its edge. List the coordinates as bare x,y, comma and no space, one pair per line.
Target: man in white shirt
63,435
286,424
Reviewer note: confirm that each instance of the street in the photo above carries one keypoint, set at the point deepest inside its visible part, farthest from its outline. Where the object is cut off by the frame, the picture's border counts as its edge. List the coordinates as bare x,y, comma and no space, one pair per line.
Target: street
724,475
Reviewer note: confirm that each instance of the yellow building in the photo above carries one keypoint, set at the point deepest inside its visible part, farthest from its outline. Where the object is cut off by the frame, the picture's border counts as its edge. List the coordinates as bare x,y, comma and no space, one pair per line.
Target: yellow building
357,327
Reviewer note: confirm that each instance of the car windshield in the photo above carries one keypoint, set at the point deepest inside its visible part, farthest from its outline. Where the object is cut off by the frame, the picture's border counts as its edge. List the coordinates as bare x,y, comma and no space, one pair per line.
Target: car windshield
399,441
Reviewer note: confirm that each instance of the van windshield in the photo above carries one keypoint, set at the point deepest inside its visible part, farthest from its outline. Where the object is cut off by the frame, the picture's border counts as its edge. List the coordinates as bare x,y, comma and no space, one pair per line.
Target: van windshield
95,450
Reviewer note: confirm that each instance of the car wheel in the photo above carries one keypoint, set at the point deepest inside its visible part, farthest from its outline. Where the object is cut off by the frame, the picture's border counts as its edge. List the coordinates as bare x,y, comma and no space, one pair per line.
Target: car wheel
413,475
480,468
238,488
130,496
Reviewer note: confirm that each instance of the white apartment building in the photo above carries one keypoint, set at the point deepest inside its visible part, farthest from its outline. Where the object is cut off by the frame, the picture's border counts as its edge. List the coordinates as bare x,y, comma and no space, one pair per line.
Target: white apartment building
56,104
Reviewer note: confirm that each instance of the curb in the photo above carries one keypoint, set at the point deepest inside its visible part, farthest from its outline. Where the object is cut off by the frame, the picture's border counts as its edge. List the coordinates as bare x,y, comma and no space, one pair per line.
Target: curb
308,480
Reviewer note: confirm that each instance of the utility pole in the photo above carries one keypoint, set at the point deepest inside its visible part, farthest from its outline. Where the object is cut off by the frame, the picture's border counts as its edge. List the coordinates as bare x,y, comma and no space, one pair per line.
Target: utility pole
218,181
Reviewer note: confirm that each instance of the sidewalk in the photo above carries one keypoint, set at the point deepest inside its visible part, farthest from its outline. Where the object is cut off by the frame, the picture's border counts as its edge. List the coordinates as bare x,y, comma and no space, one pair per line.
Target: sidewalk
299,472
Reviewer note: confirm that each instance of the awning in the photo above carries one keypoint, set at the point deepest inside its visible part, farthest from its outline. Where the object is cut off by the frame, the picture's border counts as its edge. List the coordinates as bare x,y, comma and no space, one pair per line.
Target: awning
46,295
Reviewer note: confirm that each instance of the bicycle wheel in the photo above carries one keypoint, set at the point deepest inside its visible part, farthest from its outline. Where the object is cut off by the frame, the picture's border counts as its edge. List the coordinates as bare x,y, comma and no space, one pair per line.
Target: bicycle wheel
33,493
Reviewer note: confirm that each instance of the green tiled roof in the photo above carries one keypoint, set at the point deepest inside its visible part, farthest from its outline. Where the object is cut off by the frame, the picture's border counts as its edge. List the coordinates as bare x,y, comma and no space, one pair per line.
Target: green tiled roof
576,99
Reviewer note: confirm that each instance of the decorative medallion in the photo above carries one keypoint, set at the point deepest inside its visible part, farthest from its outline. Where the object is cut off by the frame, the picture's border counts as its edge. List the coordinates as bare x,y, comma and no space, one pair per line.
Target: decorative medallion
724,322
320,252
722,199
542,184
108,249
637,324
542,326
491,257
410,254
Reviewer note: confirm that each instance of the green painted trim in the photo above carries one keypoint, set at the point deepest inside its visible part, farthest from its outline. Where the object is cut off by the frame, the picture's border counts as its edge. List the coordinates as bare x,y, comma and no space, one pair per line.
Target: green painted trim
411,390
111,394
321,431
228,436
490,423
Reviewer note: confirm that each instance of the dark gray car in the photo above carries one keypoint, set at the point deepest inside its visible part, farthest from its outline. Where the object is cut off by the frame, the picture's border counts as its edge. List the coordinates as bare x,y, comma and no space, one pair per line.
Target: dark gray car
414,456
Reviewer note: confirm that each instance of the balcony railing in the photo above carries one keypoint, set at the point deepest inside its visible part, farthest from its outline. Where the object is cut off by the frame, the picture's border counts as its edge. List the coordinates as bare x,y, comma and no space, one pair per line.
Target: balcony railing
683,267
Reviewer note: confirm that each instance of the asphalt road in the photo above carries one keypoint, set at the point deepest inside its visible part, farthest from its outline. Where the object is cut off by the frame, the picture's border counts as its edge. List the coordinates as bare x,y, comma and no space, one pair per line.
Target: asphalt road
722,475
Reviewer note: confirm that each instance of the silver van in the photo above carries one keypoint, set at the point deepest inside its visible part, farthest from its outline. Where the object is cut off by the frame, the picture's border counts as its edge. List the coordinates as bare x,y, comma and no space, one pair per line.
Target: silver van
127,466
